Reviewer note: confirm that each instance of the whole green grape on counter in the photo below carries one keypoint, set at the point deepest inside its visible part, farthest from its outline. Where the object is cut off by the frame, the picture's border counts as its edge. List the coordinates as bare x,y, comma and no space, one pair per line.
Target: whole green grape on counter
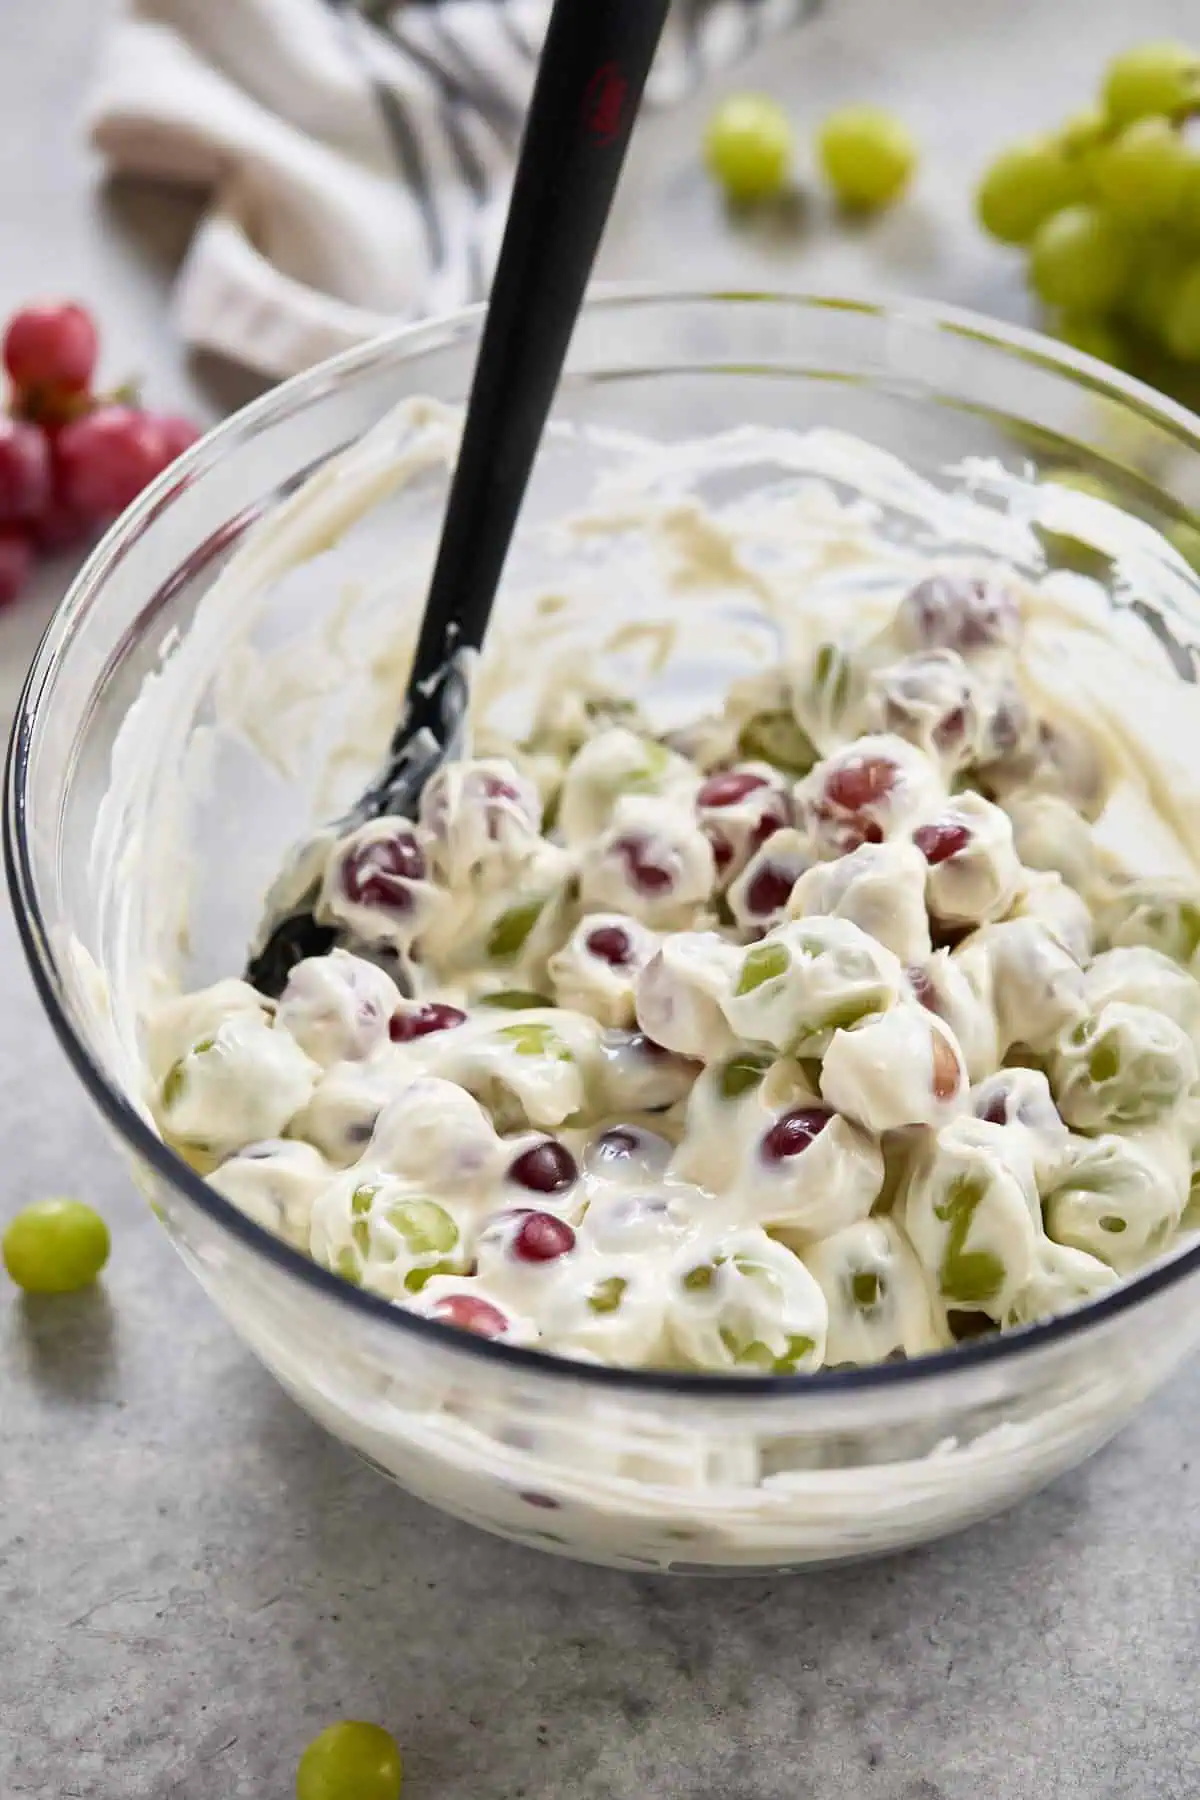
350,1761
748,147
1105,204
55,1247
867,155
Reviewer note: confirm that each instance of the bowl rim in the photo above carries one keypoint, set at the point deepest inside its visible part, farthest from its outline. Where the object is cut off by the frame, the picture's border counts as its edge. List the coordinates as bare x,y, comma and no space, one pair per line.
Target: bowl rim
997,1349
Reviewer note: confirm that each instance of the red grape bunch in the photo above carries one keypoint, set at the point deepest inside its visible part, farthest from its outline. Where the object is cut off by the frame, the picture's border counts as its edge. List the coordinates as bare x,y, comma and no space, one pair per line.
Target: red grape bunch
70,459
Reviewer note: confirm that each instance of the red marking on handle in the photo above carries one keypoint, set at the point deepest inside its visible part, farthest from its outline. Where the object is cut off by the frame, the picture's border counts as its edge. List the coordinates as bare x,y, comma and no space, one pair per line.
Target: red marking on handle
604,102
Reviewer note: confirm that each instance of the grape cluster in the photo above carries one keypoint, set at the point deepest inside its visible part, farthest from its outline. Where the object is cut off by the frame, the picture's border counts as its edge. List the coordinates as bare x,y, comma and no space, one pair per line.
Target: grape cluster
70,459
866,154
1108,209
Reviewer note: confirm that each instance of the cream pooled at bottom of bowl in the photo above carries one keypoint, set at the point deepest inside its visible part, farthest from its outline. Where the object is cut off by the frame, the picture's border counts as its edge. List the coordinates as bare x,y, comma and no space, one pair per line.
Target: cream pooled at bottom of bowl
814,1027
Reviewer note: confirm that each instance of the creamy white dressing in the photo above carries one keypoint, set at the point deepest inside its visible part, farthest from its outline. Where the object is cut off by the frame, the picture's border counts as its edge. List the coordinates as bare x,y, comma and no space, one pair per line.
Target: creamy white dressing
688,1248
568,959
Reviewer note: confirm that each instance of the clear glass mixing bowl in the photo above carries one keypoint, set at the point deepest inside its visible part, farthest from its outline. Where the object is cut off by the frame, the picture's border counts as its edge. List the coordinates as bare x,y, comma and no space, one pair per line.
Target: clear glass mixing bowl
685,1472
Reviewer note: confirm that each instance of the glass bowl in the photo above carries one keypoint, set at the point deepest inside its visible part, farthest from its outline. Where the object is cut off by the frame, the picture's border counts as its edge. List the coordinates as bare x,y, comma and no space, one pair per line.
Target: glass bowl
147,810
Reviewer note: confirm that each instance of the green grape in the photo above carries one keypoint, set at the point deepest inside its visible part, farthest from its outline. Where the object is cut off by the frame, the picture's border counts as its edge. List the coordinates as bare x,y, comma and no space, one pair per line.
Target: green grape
1025,185
535,1040
607,1295
1140,176
1187,218
515,999
864,1289
748,147
1182,332
1160,77
776,738
1080,260
764,963
55,1246
1084,132
1150,294
970,1277
1186,539
868,155
1095,337
426,1227
506,939
346,1264
743,1072
350,1761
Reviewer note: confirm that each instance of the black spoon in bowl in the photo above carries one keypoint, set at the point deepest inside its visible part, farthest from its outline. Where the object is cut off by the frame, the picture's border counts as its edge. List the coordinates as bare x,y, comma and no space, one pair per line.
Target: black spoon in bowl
593,68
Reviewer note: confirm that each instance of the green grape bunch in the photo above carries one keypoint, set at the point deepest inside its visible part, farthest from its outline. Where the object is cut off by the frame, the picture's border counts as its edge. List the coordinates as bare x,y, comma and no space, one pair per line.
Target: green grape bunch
1107,209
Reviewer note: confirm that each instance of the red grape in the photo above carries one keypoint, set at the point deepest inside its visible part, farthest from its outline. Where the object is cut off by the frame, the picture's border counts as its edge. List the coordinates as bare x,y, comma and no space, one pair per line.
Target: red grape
16,560
52,345
435,1015
645,874
612,944
59,526
860,781
794,1131
924,991
722,849
541,1237
470,1313
770,890
25,471
729,787
947,1077
378,872
178,434
961,612
106,458
995,1110
545,1167
938,843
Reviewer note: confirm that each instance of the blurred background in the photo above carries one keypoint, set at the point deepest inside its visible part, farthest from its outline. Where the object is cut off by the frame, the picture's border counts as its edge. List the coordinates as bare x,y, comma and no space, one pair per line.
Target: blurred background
134,140
196,1579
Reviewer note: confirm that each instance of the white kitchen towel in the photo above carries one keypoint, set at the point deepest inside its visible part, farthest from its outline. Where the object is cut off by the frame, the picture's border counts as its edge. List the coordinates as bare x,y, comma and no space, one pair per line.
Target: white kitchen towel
358,153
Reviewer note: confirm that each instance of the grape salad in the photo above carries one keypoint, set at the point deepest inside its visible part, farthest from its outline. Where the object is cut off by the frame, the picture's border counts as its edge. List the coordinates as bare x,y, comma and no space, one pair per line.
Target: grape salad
818,1031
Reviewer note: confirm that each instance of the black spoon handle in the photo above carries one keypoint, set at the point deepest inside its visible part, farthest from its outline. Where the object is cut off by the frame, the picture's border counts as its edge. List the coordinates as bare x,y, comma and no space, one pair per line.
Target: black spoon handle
593,68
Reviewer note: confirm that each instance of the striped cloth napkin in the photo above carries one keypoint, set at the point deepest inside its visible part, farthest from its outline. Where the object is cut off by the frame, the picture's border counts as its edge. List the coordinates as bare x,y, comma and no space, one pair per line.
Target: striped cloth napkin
357,153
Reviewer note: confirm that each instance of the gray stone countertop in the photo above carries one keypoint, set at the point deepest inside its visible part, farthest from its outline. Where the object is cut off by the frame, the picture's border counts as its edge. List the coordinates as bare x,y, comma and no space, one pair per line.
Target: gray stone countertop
193,1579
